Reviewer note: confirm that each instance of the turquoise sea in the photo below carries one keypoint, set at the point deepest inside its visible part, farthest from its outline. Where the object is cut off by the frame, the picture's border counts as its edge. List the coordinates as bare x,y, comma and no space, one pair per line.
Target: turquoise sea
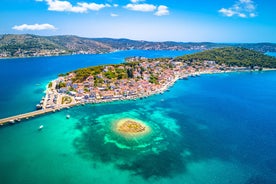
212,129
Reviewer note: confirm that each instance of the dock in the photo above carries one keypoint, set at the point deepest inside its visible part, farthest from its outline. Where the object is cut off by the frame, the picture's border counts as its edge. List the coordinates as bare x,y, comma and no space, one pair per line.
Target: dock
18,118
29,115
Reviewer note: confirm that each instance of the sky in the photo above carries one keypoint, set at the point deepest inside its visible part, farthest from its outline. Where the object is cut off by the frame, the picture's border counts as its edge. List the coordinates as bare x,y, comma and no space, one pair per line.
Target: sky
224,21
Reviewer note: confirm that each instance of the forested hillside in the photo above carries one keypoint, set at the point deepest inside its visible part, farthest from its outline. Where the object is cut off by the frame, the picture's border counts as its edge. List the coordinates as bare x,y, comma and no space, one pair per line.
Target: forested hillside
232,56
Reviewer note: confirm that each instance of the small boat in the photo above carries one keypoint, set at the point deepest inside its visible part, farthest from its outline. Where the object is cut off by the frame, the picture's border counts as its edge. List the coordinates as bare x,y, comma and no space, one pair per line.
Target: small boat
40,127
67,116
38,106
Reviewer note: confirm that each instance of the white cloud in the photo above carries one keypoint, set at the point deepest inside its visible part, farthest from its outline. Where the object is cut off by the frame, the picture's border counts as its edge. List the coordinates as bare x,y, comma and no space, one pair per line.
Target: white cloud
245,1
66,6
242,8
136,1
34,27
56,5
141,7
115,5
93,6
252,15
227,12
144,7
242,15
114,15
162,10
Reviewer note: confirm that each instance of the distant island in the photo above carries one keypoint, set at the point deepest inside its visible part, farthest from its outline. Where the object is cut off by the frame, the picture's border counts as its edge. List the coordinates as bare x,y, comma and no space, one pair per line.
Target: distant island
27,45
141,77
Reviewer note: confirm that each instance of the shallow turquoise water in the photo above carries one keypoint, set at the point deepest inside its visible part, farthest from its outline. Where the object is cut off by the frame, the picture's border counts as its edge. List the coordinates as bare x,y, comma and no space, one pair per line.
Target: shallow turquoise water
213,129
203,130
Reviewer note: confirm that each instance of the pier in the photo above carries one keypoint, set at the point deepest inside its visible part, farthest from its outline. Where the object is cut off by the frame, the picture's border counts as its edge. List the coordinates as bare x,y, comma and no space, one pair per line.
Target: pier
18,118
26,116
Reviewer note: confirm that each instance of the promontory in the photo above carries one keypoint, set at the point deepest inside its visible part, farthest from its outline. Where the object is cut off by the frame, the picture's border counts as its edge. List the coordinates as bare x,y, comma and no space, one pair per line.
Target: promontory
141,77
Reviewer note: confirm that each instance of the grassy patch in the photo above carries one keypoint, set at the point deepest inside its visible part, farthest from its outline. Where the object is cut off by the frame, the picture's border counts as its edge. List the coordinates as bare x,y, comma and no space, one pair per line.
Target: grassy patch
66,100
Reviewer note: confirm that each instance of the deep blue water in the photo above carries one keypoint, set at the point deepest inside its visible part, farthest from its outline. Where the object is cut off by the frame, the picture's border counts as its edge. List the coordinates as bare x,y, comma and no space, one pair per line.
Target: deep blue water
213,129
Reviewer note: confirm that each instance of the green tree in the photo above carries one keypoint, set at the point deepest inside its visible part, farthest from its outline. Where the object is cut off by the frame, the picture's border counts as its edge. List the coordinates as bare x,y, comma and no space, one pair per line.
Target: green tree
61,85
50,85
130,73
153,79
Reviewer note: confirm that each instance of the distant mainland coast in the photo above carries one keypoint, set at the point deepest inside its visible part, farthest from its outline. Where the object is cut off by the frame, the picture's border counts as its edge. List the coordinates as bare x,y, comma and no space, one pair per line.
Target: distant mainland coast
141,77
28,45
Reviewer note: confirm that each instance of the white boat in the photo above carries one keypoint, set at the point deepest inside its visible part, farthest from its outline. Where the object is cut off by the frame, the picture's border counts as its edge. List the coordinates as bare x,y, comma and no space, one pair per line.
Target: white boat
40,127
67,116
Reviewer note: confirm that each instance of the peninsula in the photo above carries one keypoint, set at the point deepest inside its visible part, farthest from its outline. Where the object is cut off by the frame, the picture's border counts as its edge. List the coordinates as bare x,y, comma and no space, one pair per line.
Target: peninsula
141,77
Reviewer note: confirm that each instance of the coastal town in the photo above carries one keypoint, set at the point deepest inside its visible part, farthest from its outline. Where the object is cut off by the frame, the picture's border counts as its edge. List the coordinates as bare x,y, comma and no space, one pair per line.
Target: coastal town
137,78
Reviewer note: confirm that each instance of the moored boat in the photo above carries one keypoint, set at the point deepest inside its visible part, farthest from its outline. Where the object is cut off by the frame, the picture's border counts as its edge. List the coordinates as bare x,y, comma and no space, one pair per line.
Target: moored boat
40,127
38,106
